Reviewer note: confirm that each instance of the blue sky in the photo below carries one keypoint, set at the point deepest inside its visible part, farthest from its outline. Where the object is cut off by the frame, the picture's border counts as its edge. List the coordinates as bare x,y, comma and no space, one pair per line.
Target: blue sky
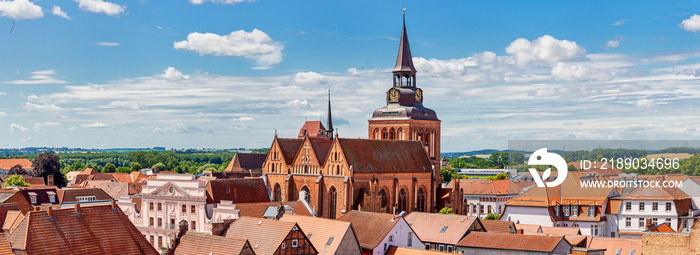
228,73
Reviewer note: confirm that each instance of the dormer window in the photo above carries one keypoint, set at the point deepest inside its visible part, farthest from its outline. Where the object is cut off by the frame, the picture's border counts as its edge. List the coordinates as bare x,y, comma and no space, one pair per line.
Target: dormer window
52,196
86,198
32,197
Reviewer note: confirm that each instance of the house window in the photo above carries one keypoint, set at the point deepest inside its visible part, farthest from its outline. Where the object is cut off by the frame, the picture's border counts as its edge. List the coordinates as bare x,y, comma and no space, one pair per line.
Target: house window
641,206
641,222
150,205
668,206
654,221
685,224
160,241
489,210
52,199
594,230
193,209
442,247
556,211
86,198
153,240
184,208
481,208
160,222
450,248
655,206
33,199
172,221
668,221
591,211
628,222
410,239
566,211
160,206
150,221
575,225
566,225
193,225
574,211
628,206
284,246
391,238
295,243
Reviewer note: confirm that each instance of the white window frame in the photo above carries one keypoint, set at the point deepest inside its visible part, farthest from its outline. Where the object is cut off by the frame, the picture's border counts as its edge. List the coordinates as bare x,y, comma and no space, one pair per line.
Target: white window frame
33,199
295,243
574,211
669,207
642,223
655,207
591,212
642,207
628,206
566,211
628,222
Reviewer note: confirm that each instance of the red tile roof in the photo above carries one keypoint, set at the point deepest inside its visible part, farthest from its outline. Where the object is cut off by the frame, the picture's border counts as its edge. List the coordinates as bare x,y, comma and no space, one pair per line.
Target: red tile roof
656,193
321,230
289,148
41,194
265,236
321,147
313,128
115,189
371,227
12,219
661,228
193,243
258,209
613,244
6,164
499,226
511,241
240,190
576,240
385,156
560,230
442,228
394,250
96,230
5,248
570,192
246,161
489,187
529,229
71,195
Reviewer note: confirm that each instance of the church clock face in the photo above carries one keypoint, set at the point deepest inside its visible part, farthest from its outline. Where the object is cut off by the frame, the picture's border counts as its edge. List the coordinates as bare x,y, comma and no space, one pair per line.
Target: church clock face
393,95
419,95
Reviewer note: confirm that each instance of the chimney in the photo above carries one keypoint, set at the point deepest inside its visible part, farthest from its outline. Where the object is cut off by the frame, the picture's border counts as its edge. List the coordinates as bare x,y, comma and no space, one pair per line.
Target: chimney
49,180
649,225
49,211
114,205
77,209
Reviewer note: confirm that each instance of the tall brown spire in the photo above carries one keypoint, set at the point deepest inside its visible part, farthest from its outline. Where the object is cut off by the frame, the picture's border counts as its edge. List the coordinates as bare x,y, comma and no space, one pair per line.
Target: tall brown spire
404,72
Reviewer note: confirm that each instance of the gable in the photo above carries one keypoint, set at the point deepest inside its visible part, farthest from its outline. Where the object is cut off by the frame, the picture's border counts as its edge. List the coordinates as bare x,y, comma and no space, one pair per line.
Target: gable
170,189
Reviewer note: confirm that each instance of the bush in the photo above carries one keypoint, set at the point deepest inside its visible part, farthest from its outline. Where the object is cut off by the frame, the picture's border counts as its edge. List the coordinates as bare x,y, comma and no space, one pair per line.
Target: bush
446,211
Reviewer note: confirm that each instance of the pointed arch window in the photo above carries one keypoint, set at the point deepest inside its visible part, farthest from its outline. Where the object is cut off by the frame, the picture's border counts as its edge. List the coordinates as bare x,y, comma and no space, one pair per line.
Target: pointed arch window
421,200
402,200
333,200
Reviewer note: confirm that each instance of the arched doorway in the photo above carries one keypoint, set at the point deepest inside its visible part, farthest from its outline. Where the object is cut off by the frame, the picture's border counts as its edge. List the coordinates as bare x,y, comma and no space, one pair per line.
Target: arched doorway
402,200
277,194
333,199
421,200
307,194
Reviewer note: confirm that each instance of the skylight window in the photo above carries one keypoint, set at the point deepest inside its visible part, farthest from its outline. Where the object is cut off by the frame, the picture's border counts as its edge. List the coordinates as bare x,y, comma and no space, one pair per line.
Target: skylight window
330,240
443,229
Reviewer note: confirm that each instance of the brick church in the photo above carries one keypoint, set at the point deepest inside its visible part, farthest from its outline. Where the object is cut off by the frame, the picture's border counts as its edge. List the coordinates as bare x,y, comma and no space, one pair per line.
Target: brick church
396,169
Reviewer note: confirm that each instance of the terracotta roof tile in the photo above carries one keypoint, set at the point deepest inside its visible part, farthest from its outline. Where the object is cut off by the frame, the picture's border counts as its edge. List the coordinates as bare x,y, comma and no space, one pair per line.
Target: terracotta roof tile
114,189
6,164
96,230
5,248
11,218
570,192
289,148
372,156
576,240
264,235
499,226
442,228
321,147
529,229
613,244
258,209
313,128
560,231
7,208
511,241
371,227
71,195
321,231
193,243
489,187
656,193
240,190
246,161
394,250
663,227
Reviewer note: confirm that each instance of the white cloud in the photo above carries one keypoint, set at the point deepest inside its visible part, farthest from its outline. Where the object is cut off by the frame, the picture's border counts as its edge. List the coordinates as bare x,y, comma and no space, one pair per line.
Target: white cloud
309,78
124,104
42,125
58,12
95,125
41,107
173,74
18,128
99,6
297,103
691,24
255,45
176,129
107,44
56,98
645,103
20,9
3,93
220,1
3,115
612,44
545,50
28,139
39,77
579,72
245,118
619,22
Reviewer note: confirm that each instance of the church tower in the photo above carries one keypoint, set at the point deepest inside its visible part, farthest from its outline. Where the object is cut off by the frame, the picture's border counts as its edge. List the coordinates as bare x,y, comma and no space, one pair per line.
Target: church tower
404,117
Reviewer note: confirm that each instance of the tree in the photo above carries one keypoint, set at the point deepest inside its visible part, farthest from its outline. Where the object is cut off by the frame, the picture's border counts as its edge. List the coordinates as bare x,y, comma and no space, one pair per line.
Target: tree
501,176
47,164
109,168
492,216
446,210
457,163
17,169
517,157
159,166
78,166
499,157
447,174
135,166
123,169
16,180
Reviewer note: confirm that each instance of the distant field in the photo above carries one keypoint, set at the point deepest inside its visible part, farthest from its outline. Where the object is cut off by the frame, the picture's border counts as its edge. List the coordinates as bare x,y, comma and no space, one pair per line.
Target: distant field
670,155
